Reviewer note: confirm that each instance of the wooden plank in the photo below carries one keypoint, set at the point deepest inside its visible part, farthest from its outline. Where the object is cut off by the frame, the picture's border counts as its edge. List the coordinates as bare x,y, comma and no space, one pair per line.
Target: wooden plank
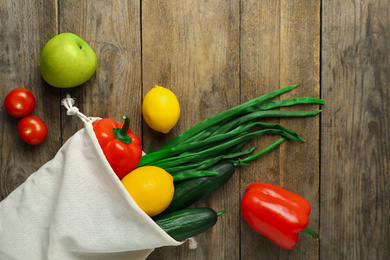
192,48
355,175
112,29
260,63
300,63
280,47
25,28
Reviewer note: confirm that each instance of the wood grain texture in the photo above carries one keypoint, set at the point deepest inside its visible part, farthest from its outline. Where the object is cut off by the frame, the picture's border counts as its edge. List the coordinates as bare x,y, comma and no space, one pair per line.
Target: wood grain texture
112,29
270,61
300,63
24,29
355,176
192,48
260,74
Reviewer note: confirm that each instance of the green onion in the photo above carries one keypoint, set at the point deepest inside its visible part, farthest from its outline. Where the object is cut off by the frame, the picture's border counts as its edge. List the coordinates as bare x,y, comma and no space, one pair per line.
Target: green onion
271,104
233,155
191,174
266,150
198,166
161,154
229,139
216,149
226,115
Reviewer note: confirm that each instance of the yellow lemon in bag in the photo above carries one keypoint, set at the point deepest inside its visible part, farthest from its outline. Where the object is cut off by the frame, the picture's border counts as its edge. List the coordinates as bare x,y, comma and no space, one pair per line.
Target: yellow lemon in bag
151,188
161,109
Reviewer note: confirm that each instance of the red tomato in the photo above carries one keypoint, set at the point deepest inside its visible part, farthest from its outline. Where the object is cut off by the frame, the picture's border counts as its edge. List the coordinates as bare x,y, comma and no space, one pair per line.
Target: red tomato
32,130
19,102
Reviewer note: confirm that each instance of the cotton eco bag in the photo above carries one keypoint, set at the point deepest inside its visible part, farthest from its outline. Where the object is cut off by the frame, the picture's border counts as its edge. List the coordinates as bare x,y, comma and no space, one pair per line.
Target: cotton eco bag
75,207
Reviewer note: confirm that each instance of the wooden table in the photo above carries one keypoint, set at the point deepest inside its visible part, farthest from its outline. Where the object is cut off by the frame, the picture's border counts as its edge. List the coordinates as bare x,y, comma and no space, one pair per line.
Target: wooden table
215,55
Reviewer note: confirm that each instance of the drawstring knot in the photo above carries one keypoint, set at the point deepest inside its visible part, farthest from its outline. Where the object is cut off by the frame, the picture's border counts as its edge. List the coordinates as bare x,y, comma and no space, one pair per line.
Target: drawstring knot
68,102
72,111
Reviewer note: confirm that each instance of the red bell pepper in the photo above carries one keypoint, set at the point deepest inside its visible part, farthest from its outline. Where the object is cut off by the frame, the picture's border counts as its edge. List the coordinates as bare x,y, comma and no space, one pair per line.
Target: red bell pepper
121,147
276,213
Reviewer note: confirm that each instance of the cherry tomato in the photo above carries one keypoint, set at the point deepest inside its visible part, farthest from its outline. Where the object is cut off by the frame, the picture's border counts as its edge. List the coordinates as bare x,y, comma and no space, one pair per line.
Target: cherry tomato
32,130
19,102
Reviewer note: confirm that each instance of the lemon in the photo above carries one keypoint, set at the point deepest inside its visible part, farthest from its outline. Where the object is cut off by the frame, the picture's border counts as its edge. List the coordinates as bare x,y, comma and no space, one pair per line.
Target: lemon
161,109
151,188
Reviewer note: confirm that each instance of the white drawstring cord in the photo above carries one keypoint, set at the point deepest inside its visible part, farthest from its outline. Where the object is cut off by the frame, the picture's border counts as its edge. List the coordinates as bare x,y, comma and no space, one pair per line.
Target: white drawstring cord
68,102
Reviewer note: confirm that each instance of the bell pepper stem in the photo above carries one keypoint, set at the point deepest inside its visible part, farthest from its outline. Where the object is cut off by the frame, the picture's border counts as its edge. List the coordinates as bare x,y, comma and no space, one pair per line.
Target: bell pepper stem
121,133
311,232
126,126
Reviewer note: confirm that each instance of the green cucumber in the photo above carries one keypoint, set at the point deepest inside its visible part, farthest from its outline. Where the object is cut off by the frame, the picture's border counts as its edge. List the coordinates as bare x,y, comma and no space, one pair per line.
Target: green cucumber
192,190
187,223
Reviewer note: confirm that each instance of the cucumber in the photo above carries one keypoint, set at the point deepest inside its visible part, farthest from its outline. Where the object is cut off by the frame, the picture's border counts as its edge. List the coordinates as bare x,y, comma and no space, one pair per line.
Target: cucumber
187,223
192,190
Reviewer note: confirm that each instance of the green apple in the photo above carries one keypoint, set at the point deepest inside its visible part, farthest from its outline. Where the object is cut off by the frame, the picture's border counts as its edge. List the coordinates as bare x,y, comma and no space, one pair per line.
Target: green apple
67,61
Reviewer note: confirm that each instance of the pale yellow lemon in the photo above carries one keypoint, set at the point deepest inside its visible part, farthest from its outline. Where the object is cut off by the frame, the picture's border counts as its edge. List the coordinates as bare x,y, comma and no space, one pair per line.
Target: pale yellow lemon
161,109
